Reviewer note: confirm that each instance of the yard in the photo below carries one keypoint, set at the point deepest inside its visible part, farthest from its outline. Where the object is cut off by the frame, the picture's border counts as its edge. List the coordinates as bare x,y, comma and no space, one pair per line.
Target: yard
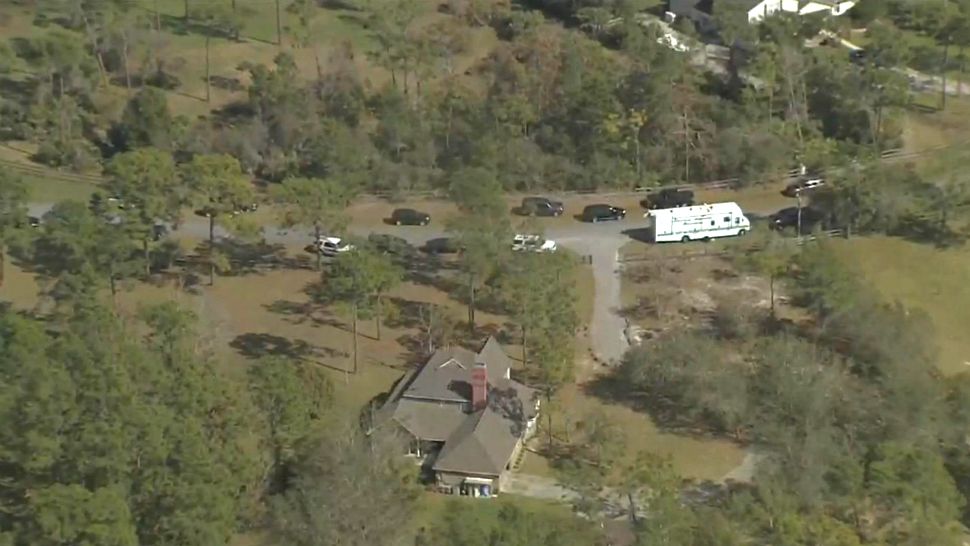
920,277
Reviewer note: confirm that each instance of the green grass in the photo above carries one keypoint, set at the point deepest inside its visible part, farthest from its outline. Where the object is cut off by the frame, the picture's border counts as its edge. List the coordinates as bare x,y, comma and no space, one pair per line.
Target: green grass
49,190
920,277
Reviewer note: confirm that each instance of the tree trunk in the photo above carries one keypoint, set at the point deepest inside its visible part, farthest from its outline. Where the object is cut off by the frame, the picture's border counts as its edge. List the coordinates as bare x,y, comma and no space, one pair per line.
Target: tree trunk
549,417
963,69
771,290
525,354
380,309
3,262
158,18
148,263
279,25
212,248
471,303
185,14
124,54
316,241
208,80
235,31
946,61
878,135
94,49
355,336
686,149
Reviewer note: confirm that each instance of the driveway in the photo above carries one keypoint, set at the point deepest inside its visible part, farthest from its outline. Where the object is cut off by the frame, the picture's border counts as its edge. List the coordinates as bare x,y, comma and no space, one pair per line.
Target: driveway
600,241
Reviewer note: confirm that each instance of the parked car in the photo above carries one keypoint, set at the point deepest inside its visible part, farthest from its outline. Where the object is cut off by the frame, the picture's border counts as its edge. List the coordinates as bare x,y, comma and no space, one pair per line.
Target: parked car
441,245
668,199
601,212
533,243
409,217
329,246
159,231
788,218
539,206
803,185
390,244
28,221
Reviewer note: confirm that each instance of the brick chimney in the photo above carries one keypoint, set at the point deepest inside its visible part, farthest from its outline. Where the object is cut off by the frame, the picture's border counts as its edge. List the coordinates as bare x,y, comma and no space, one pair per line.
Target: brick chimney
479,386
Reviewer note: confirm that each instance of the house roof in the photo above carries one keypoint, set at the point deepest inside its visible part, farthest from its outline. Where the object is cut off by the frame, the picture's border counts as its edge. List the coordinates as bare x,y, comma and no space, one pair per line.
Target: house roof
446,375
482,444
431,404
428,420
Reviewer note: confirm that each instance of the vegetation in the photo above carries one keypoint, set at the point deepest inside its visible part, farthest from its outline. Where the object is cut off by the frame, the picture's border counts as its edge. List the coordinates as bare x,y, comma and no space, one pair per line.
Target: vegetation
123,428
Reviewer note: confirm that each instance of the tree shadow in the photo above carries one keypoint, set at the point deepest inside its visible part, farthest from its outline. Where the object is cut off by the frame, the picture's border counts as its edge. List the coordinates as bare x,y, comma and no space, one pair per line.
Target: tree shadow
179,25
226,83
257,345
255,257
667,414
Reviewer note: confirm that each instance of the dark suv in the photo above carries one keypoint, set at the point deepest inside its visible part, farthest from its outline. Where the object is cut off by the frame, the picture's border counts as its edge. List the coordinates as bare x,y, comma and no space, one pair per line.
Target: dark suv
668,199
788,218
409,217
539,206
600,213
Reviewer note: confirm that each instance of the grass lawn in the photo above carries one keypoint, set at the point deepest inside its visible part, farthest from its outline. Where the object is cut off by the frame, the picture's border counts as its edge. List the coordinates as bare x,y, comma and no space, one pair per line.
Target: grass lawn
930,128
50,190
921,277
692,457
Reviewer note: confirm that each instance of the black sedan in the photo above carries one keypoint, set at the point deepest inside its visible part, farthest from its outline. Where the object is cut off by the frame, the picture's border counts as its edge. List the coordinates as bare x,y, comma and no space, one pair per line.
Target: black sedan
409,217
601,213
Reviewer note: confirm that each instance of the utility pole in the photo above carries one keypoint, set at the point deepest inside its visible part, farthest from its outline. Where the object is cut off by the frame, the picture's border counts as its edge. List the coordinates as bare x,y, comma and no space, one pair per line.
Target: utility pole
798,198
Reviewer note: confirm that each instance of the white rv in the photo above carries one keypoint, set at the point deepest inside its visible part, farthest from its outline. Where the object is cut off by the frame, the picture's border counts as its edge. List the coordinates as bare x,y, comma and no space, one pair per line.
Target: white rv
699,222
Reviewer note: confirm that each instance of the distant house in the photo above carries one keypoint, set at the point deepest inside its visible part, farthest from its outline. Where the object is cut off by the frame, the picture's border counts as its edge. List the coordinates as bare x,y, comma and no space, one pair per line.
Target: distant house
700,11
465,417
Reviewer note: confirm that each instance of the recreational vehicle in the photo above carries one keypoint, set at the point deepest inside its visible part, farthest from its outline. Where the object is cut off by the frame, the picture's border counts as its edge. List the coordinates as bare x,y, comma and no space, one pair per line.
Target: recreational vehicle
699,222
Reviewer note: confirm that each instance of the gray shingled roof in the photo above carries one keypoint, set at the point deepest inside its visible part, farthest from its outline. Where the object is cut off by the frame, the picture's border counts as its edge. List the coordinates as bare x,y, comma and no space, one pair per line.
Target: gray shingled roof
446,374
428,420
429,403
482,444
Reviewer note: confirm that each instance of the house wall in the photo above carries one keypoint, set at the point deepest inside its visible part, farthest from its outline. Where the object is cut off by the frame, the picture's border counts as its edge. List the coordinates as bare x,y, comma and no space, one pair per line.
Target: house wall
768,7
444,479
836,10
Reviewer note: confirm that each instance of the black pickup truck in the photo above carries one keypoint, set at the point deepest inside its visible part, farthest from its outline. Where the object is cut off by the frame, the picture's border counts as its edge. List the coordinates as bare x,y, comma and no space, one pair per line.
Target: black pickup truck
668,199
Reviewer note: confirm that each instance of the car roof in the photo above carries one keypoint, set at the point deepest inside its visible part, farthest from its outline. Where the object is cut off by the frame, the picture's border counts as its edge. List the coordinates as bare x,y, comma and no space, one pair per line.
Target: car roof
332,240
405,210
599,206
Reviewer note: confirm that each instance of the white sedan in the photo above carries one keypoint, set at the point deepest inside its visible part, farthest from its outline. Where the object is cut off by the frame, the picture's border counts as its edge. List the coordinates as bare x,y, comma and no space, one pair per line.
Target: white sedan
533,243
330,246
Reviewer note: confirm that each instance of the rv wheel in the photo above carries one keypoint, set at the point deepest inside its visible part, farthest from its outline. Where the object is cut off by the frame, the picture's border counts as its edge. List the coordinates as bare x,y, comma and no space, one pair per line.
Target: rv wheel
742,232
685,239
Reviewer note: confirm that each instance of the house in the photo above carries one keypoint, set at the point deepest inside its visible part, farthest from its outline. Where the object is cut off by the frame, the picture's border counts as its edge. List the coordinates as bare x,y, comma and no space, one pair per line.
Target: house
465,417
700,11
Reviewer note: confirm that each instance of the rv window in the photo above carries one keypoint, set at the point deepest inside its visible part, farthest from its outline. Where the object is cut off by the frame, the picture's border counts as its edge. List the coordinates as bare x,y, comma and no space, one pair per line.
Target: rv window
712,222
727,219
737,220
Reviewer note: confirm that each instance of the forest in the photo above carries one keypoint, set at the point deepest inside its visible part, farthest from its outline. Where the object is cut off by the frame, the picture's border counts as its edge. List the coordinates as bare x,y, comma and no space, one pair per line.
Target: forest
124,429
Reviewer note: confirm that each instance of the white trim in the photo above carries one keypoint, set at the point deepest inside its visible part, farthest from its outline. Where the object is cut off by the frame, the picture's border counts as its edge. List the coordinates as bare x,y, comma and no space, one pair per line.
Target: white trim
478,481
